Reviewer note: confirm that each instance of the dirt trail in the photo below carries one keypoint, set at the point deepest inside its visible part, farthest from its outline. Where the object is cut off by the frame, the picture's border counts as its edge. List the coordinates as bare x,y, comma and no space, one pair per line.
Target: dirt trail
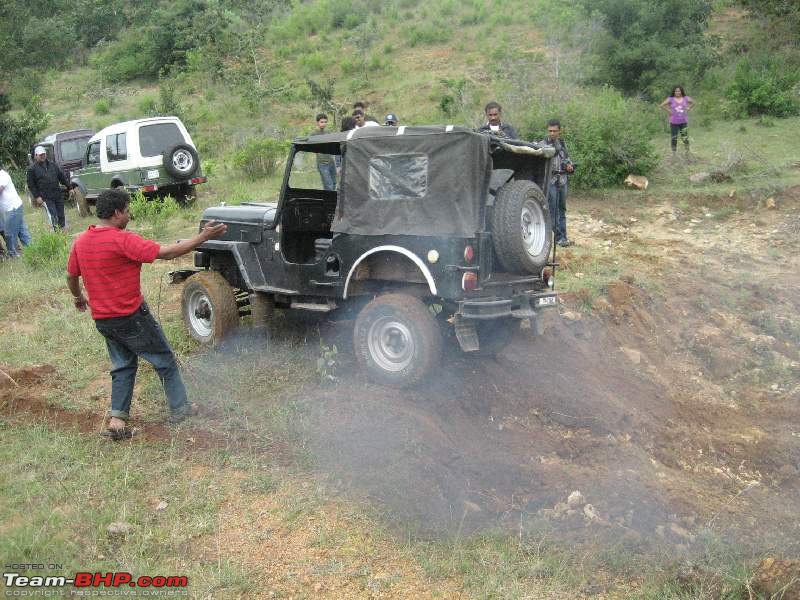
674,412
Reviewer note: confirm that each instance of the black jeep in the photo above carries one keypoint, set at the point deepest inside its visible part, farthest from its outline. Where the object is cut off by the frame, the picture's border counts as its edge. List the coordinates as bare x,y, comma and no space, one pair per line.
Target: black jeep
431,228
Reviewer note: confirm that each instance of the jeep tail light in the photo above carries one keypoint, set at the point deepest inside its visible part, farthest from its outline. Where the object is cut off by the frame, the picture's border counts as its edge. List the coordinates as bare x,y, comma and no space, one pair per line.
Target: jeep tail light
469,254
469,281
149,188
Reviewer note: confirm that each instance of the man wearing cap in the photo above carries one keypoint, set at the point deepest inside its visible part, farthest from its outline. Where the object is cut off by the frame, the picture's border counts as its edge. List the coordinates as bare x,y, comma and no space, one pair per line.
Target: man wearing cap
391,120
12,217
44,177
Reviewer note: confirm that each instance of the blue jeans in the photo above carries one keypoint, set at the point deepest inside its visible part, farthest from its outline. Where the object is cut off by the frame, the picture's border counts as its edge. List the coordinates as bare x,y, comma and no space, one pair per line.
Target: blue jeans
557,202
15,229
55,206
328,174
128,338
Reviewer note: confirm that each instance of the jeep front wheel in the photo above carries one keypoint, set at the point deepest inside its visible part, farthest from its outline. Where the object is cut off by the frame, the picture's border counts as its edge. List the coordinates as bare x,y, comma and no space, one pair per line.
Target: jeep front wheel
522,227
209,307
396,339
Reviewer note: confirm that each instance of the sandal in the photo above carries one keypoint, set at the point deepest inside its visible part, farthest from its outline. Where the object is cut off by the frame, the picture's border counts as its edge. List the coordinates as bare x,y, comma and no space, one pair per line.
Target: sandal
123,433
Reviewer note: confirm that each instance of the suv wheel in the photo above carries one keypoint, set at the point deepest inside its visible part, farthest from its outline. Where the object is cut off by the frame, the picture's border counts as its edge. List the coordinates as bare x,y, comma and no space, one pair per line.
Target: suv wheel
397,340
522,227
209,307
181,161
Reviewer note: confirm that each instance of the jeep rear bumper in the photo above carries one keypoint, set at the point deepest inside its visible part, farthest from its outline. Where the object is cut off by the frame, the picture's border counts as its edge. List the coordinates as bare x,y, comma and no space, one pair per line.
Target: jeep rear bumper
520,306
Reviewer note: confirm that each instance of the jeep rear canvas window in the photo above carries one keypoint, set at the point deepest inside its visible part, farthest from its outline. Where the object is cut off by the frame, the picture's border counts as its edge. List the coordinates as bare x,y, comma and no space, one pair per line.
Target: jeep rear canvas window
158,138
398,176
73,149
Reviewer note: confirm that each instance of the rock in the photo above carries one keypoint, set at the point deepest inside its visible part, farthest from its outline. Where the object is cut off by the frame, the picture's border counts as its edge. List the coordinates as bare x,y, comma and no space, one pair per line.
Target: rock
161,506
571,316
699,177
119,528
777,578
607,243
770,203
636,181
633,219
633,355
680,532
688,230
590,513
471,507
576,499
732,194
560,508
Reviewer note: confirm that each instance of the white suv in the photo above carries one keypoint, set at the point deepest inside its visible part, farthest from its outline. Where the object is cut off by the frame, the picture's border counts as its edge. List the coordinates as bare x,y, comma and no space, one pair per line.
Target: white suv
153,156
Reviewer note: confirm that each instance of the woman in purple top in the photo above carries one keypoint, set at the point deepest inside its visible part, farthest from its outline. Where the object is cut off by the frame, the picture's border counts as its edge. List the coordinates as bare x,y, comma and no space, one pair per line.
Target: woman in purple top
678,106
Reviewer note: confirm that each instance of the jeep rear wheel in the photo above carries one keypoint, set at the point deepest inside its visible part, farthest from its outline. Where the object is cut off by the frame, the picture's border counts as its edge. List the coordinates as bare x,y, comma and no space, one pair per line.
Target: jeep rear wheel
209,307
181,161
396,339
522,227
81,203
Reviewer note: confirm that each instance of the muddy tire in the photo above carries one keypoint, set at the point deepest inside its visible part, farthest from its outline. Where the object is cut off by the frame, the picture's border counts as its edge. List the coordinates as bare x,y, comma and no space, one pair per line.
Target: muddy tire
181,161
522,227
81,203
209,307
397,340
493,336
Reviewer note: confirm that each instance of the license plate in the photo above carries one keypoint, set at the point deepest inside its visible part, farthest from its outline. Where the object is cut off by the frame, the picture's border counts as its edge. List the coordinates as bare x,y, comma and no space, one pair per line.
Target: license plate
546,301
153,174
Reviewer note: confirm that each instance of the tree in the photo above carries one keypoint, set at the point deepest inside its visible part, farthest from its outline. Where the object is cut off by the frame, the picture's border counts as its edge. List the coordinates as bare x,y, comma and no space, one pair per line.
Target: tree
18,133
650,46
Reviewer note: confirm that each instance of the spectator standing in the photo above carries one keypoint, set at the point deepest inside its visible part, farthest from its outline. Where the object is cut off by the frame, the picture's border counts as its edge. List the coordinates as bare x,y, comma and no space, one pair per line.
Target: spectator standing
362,106
12,216
362,121
326,164
678,106
494,123
44,177
560,168
109,259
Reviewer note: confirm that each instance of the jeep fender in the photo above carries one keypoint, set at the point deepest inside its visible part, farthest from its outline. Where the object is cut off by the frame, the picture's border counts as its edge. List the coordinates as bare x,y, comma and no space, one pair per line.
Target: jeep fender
399,250
75,182
118,181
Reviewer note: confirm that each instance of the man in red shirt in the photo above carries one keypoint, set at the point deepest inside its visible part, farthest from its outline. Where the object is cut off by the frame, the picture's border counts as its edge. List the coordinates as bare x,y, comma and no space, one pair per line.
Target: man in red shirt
109,259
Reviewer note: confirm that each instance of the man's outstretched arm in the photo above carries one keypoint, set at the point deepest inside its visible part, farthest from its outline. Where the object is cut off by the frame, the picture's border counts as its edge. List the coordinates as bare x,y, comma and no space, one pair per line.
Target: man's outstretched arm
211,231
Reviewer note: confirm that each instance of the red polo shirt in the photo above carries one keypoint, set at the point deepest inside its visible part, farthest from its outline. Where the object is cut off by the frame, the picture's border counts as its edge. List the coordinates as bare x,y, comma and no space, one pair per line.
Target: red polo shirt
110,261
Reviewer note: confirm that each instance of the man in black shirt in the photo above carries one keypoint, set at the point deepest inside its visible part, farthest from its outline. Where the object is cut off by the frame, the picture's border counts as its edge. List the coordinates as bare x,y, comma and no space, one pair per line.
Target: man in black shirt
494,125
44,177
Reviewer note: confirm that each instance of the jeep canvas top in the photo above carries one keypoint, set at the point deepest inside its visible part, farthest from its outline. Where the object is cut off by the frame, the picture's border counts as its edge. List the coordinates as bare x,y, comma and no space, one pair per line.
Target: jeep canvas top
431,229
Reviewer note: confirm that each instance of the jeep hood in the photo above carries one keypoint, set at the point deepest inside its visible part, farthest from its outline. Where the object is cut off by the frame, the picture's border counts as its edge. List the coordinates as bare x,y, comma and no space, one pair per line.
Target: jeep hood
249,213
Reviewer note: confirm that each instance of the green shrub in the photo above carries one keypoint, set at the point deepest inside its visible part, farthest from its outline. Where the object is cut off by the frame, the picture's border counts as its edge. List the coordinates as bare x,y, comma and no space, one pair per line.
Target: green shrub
47,252
429,32
607,135
260,157
765,87
148,106
102,106
153,212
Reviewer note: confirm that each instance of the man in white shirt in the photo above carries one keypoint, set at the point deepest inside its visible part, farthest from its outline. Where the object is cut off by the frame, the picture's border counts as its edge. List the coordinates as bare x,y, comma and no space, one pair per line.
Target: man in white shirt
361,119
12,215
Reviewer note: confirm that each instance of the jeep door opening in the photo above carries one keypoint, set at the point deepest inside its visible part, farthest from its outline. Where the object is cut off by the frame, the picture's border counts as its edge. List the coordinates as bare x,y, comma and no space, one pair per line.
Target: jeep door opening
431,229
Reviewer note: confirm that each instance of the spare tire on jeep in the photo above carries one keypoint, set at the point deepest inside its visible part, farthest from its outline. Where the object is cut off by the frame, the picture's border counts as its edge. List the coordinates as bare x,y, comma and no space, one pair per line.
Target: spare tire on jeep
181,161
522,229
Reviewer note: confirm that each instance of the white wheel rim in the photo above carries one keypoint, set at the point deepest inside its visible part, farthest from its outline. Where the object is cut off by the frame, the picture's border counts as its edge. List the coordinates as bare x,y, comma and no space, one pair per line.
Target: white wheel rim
391,344
182,161
534,228
201,313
